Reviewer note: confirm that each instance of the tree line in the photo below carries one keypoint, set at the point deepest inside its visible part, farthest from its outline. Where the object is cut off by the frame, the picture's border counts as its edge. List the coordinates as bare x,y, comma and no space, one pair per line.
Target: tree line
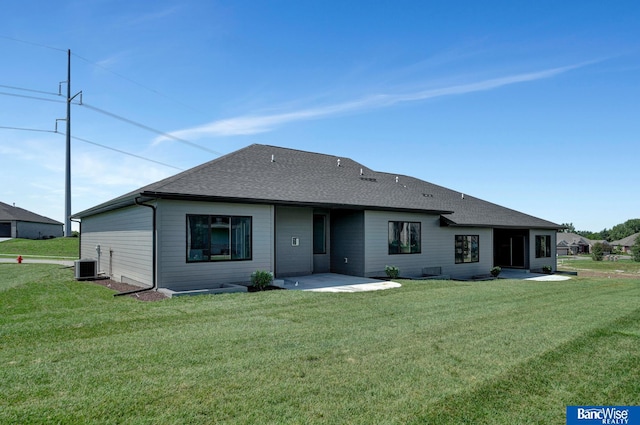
617,232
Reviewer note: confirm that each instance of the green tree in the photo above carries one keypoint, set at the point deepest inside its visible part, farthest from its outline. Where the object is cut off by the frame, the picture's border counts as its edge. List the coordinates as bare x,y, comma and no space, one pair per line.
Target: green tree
628,228
597,251
635,250
568,228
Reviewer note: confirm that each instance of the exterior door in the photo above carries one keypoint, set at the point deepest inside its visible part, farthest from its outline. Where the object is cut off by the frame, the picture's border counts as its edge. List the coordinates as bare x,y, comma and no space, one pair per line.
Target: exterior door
510,249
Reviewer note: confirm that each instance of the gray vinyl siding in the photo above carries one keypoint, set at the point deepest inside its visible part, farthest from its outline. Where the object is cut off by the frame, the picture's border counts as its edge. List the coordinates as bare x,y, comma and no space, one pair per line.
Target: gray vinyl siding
125,237
347,243
33,230
438,246
377,243
445,239
538,263
174,271
294,260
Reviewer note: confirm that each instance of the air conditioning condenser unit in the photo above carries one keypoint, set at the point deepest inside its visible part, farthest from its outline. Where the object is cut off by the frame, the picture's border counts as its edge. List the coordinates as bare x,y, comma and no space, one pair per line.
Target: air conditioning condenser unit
86,269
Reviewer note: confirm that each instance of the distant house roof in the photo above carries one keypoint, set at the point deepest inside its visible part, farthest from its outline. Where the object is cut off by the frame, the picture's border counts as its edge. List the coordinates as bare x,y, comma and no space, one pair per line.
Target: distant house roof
11,213
628,241
275,175
572,239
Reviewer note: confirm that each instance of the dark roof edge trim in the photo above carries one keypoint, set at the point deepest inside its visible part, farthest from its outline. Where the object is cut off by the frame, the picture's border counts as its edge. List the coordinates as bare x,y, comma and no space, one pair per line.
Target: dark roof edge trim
181,197
444,222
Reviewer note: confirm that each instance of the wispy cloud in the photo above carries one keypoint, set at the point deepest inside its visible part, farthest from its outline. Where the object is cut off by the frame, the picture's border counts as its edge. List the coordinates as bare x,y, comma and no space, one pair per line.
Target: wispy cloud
253,124
153,16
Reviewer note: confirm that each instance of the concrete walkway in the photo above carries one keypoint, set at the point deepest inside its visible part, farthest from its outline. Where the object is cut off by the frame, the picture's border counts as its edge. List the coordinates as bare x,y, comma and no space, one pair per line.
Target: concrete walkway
332,282
526,275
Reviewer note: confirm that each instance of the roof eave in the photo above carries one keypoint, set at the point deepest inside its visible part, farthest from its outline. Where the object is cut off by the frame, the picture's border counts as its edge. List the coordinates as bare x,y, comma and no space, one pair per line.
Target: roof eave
208,198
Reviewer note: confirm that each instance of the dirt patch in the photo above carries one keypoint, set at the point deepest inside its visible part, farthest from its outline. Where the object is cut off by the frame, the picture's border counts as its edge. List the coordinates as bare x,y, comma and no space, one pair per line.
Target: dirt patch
599,274
124,287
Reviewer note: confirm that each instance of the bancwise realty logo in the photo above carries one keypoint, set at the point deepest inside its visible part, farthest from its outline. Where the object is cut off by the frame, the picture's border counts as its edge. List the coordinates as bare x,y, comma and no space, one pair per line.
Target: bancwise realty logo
606,415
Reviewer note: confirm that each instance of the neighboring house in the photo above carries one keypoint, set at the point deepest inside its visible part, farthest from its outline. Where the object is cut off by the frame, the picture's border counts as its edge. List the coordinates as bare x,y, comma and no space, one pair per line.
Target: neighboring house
572,244
16,222
297,213
625,244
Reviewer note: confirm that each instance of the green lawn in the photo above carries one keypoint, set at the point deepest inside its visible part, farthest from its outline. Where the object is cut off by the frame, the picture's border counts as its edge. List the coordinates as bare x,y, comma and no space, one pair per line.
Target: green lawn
586,263
496,352
50,248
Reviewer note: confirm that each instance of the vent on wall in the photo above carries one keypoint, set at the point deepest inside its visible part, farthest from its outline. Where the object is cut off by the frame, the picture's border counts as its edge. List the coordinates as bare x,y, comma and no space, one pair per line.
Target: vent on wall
85,269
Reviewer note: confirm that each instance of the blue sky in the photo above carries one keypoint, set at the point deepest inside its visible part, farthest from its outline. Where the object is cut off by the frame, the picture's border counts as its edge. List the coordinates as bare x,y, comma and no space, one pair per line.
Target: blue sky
530,105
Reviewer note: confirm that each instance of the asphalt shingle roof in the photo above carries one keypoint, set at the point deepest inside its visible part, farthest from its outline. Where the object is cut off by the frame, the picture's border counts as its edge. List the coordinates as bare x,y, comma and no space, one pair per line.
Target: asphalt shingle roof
270,174
11,213
628,241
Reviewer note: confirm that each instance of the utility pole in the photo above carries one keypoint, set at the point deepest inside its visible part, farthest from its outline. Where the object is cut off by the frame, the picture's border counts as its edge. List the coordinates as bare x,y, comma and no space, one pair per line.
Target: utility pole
67,179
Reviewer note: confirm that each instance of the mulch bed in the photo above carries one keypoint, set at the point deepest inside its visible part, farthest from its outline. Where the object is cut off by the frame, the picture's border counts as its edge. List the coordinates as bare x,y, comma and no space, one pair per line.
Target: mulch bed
124,287
266,288
152,295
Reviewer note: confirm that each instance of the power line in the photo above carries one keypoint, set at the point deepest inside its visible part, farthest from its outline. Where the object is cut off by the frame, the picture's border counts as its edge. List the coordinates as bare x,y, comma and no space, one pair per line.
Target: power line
96,109
29,90
151,129
33,97
132,81
125,152
112,115
32,43
95,144
26,129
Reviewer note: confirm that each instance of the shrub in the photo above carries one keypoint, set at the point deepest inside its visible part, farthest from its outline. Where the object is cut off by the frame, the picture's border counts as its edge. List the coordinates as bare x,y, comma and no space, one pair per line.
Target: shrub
260,279
547,269
597,252
635,250
392,272
495,271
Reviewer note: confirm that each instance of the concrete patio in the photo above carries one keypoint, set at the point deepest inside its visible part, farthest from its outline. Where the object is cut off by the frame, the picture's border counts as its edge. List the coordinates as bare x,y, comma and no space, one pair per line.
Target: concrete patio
332,282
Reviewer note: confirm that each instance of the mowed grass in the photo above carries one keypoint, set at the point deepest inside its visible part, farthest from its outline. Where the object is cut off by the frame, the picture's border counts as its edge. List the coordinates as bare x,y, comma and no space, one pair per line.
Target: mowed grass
586,263
497,352
50,248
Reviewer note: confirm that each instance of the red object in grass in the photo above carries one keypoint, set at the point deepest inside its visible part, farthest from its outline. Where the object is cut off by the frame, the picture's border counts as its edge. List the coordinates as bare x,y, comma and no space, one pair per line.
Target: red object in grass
19,259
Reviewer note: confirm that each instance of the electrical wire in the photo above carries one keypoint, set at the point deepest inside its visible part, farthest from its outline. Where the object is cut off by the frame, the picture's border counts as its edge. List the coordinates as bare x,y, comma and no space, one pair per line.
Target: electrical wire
121,118
95,144
151,129
32,43
102,111
132,81
29,90
33,97
26,129
124,152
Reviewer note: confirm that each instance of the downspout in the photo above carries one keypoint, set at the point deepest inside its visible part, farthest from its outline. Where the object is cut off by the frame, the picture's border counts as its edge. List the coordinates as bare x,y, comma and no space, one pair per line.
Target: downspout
154,284
79,237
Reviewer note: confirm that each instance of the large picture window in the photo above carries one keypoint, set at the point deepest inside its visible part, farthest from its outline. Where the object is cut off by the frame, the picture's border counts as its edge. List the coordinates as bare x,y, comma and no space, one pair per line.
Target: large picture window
467,249
404,237
218,238
543,246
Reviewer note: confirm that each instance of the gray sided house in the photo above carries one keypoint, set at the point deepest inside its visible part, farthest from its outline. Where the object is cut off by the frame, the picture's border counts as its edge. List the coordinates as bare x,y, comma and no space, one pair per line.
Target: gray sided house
298,213
16,222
